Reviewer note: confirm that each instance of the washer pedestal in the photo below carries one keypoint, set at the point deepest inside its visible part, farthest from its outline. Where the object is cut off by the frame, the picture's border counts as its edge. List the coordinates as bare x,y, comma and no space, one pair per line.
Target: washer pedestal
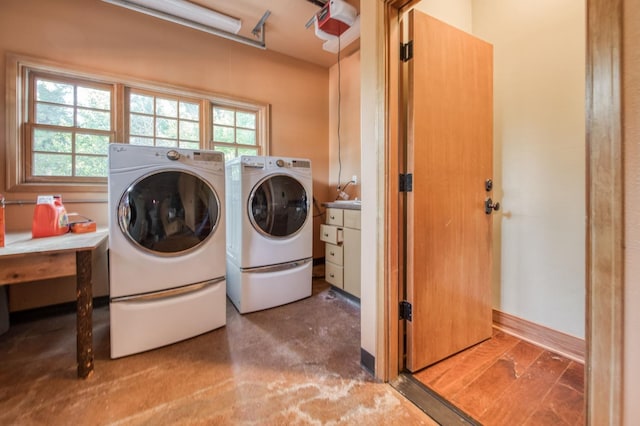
256,289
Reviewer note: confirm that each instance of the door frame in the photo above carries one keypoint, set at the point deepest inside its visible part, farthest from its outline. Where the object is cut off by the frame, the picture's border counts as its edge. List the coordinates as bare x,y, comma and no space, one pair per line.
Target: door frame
604,228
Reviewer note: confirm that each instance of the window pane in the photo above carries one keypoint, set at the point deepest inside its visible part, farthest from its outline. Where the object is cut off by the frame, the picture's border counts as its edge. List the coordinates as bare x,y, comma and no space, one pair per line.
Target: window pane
247,151
167,128
89,165
91,119
51,165
141,125
169,143
229,152
54,115
190,145
223,134
189,111
246,120
166,107
141,103
94,98
92,144
246,137
58,93
223,116
189,130
51,141
136,140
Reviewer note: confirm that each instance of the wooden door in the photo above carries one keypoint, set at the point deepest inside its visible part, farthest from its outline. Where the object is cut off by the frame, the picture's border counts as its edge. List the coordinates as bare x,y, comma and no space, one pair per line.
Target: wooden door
450,155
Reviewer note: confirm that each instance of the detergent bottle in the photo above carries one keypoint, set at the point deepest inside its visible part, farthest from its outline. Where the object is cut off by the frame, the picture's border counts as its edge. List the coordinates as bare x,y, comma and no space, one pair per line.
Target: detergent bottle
50,217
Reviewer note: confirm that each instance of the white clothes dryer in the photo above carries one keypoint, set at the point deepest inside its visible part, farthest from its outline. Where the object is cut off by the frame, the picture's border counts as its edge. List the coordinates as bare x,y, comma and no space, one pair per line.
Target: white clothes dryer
269,231
166,245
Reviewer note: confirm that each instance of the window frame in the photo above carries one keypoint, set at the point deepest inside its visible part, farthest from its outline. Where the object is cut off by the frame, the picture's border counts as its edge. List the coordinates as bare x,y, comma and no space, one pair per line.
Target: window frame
17,106
163,95
30,126
236,145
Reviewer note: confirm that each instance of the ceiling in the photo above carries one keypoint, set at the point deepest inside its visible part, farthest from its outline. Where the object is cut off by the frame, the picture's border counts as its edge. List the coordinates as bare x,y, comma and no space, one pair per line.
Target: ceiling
285,30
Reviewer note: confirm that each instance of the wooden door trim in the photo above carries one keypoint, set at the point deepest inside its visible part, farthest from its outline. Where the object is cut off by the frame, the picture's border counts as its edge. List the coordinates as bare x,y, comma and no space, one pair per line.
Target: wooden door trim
393,256
604,368
605,215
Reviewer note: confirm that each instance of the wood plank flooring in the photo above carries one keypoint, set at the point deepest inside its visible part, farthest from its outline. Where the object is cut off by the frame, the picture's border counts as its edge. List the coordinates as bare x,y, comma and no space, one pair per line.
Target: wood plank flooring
507,381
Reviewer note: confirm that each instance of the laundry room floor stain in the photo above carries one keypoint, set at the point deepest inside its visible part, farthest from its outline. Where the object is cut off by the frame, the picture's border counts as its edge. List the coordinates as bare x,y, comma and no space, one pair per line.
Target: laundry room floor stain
294,364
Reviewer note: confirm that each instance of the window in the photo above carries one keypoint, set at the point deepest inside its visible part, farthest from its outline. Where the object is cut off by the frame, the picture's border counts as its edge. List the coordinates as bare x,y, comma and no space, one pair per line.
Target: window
234,132
60,123
156,120
69,128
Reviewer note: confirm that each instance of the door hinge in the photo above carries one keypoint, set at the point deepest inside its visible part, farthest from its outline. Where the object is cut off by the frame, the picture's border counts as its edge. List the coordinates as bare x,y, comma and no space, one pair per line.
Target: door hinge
406,182
405,310
406,51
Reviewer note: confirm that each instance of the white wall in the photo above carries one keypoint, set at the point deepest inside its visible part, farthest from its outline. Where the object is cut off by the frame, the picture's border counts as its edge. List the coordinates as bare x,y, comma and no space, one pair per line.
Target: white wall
457,13
539,80
372,185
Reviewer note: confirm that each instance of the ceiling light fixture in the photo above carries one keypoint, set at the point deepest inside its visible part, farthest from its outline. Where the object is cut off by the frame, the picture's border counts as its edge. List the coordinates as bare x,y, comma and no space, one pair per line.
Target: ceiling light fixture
197,17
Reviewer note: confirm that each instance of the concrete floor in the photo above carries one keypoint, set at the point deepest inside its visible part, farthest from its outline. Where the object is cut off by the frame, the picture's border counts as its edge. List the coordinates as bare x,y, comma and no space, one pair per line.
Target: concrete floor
297,364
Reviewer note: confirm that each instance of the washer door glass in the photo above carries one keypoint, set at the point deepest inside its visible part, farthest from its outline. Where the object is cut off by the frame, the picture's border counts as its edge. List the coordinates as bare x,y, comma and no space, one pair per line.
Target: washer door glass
169,212
278,206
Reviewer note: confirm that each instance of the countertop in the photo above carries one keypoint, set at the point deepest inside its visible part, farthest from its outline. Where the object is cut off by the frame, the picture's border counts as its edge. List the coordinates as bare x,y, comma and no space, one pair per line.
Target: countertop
343,204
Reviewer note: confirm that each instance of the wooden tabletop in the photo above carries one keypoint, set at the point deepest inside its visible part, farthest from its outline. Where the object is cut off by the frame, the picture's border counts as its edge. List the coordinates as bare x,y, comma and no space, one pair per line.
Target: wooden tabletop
21,243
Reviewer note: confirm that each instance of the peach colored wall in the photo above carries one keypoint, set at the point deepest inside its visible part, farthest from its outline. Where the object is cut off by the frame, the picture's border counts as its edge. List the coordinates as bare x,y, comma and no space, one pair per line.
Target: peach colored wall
347,152
94,35
631,95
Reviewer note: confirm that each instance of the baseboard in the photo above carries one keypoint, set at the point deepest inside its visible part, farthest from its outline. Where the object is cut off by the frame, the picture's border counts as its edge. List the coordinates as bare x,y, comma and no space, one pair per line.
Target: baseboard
52,310
368,362
555,341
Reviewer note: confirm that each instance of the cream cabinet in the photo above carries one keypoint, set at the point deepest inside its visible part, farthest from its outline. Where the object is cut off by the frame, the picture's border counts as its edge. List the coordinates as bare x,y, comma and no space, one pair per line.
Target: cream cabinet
341,234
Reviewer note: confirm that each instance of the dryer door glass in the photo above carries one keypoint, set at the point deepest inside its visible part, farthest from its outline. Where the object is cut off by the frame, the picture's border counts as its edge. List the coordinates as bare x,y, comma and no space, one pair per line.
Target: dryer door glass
169,212
278,206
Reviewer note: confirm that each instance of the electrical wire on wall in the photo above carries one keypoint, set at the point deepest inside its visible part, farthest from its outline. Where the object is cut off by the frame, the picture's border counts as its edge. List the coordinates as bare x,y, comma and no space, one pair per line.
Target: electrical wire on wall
339,189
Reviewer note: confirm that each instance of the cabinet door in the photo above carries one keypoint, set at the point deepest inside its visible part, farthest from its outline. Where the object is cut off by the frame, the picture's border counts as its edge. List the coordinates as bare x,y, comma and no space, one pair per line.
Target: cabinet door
331,234
352,219
352,261
333,274
333,254
334,217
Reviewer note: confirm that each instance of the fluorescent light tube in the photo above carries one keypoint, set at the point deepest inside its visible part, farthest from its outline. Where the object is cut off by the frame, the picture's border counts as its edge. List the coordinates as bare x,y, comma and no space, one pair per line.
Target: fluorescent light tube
166,9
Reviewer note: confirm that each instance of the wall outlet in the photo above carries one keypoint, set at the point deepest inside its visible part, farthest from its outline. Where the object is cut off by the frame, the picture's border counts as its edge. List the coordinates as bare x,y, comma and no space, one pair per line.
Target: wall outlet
354,179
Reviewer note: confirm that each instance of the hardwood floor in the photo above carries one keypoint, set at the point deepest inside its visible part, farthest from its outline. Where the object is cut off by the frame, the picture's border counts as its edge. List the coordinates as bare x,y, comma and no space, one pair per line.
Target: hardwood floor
507,381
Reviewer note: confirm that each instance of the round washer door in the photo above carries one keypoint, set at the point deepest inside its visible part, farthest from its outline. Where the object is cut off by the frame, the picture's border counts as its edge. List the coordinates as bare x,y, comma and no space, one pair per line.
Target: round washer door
278,206
169,212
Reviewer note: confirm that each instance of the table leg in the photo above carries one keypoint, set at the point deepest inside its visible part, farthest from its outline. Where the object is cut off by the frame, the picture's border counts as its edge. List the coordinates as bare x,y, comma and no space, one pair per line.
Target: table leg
84,295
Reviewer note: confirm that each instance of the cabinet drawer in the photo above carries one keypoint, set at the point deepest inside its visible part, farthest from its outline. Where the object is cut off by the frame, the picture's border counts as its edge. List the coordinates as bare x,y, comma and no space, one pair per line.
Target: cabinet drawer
333,274
334,217
333,254
330,234
352,219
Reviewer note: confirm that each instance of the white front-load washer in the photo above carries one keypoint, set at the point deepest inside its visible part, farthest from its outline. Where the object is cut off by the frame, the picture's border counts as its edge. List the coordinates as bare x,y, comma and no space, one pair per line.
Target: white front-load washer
269,231
166,245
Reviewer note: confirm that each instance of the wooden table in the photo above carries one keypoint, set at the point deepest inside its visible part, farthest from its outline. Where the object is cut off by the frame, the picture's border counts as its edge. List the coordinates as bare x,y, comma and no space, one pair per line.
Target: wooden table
25,259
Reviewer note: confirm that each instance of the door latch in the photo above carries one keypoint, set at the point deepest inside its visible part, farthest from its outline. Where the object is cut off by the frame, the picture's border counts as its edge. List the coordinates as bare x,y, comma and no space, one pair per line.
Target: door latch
488,185
489,207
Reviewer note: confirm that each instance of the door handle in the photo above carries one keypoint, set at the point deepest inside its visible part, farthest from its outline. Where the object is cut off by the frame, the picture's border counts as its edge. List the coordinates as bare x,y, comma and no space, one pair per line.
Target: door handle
489,207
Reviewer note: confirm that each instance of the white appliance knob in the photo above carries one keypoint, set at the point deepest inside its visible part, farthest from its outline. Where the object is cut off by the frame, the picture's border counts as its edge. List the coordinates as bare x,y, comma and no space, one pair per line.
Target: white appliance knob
173,155
280,163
